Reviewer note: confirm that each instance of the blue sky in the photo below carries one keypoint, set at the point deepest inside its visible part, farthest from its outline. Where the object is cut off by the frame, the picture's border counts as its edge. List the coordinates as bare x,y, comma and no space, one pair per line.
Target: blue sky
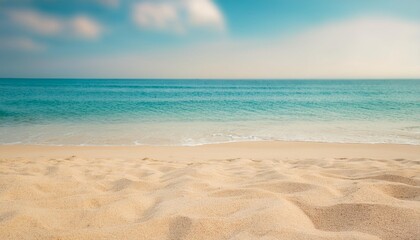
210,38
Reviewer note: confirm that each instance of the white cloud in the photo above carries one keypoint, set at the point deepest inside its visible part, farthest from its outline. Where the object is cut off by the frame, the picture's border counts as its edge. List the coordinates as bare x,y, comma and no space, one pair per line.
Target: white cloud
157,16
85,27
20,44
370,47
363,47
36,22
204,13
178,15
44,24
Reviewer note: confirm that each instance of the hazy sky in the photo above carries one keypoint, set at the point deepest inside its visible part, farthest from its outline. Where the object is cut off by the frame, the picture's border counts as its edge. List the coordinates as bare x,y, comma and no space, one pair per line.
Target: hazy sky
210,39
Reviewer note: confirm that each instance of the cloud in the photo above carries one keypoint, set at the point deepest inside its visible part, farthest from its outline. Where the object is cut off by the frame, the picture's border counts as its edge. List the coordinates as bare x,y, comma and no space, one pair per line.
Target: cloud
178,15
157,16
85,27
20,44
366,47
36,22
356,48
44,24
371,47
204,13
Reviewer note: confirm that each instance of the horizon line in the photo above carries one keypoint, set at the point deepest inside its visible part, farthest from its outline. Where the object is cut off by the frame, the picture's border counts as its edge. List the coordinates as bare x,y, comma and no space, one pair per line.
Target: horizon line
249,79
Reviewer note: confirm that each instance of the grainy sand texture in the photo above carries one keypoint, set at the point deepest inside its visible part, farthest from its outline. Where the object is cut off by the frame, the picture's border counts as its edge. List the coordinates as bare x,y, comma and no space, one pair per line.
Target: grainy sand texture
261,190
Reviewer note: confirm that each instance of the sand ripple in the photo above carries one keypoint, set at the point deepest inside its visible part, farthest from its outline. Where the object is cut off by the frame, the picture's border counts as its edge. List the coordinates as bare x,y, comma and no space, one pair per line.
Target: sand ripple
145,198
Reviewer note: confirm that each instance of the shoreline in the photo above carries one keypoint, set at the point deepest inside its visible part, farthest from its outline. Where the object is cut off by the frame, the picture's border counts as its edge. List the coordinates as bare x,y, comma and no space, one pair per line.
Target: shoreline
203,144
258,149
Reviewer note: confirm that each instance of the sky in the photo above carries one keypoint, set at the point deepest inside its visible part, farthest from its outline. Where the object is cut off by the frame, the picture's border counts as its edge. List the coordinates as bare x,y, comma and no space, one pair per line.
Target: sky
238,39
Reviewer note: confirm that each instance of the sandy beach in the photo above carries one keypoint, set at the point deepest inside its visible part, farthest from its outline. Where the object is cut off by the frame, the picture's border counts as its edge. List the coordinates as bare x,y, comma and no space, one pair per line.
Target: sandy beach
253,190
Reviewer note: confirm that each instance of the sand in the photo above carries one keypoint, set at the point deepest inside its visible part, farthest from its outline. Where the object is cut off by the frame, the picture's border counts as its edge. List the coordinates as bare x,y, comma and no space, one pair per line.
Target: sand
261,190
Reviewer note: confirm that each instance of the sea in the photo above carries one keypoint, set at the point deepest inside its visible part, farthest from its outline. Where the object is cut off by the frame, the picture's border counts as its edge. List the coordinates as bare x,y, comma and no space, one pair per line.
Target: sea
196,112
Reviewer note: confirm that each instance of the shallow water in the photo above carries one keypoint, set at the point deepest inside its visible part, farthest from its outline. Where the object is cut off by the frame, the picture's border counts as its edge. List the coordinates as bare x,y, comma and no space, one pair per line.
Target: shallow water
192,112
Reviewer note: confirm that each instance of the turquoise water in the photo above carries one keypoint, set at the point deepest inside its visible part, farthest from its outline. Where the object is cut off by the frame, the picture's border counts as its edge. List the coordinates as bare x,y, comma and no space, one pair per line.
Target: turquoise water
193,112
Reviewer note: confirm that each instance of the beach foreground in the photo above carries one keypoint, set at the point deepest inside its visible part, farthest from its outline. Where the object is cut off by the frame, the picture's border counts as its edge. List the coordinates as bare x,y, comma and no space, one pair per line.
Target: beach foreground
265,190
